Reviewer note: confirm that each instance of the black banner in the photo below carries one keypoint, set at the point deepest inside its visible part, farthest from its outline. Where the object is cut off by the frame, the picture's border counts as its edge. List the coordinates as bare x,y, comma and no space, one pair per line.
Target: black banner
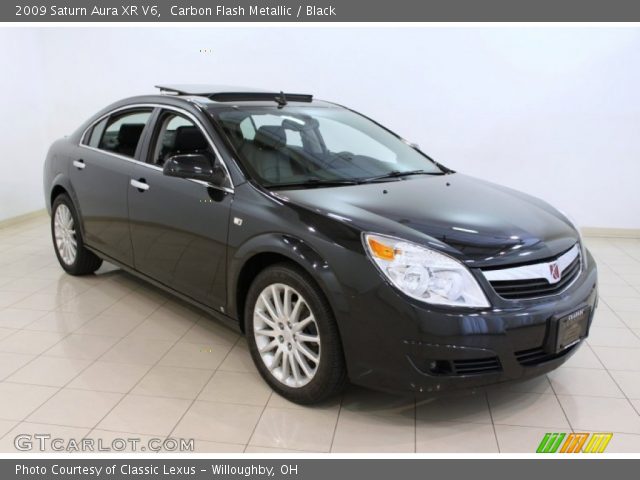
315,469
321,11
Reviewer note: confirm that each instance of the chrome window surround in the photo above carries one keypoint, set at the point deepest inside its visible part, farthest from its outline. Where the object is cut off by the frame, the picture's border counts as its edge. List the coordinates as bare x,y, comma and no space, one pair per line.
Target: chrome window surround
187,114
538,270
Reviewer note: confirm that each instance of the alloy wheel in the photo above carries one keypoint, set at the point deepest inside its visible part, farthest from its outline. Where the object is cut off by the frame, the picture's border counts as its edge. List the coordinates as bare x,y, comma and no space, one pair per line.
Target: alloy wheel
65,234
287,335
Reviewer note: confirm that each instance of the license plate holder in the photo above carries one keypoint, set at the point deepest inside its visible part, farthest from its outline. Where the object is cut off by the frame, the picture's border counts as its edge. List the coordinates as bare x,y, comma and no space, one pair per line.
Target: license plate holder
572,328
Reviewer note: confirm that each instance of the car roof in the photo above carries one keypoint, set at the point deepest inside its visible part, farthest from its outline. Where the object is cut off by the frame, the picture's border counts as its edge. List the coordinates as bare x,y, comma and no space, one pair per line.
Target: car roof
225,95
206,90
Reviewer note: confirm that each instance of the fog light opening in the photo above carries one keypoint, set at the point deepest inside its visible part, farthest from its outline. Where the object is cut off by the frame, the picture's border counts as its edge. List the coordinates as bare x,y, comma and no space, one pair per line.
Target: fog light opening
439,367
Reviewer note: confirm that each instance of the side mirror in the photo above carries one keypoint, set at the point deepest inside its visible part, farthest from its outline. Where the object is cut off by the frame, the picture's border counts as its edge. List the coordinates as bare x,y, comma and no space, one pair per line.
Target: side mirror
196,166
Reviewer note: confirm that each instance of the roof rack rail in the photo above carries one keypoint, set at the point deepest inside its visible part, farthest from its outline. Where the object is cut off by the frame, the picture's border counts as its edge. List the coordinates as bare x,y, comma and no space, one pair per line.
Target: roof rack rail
234,94
281,98
170,90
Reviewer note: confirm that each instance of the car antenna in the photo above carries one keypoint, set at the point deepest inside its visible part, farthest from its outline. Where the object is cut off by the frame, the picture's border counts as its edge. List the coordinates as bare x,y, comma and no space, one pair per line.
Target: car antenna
281,99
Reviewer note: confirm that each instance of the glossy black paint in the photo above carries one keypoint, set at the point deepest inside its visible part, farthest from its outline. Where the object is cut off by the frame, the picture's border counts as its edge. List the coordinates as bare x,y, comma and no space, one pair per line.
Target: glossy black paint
184,236
183,251
195,166
100,193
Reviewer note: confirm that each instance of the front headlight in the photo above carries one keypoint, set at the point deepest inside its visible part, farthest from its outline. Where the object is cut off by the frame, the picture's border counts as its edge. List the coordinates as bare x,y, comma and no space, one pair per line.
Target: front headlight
424,274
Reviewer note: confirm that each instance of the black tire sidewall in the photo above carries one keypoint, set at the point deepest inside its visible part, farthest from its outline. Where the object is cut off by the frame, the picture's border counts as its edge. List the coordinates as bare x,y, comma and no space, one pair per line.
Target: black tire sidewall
329,376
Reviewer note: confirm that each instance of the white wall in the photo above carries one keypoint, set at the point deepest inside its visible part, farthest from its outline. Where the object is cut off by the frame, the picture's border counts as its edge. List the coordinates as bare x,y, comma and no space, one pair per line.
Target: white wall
23,135
554,112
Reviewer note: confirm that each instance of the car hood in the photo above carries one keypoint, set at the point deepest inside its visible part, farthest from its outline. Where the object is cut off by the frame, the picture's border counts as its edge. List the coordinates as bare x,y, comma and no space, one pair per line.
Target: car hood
481,223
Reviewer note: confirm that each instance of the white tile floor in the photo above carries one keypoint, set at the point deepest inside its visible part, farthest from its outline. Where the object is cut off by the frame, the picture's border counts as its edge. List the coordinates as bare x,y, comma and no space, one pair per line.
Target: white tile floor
109,356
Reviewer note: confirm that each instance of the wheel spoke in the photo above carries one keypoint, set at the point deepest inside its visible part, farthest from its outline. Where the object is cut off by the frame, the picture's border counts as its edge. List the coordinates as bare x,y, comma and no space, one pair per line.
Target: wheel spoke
302,364
302,324
294,368
296,309
268,306
308,353
275,295
270,346
276,360
285,366
303,337
266,319
286,307
266,333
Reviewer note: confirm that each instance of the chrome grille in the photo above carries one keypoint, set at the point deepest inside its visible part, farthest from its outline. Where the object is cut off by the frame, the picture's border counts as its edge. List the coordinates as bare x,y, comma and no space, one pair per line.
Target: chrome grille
536,280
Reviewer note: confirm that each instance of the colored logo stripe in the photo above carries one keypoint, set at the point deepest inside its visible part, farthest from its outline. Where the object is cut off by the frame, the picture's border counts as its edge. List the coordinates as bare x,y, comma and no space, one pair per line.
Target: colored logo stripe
550,442
574,442
598,442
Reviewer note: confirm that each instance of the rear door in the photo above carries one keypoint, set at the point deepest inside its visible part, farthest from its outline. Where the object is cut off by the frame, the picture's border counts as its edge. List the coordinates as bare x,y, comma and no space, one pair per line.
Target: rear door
178,226
100,174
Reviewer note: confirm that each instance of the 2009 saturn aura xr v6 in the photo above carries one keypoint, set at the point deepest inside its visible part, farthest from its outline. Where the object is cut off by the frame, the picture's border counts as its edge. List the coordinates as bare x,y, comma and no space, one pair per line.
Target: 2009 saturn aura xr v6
339,249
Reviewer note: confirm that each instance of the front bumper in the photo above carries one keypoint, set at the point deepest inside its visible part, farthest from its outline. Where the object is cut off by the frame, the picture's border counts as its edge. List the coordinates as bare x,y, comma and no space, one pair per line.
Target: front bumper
399,345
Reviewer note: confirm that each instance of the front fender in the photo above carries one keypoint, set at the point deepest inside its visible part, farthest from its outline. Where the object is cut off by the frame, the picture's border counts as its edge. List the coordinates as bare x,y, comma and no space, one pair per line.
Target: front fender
296,250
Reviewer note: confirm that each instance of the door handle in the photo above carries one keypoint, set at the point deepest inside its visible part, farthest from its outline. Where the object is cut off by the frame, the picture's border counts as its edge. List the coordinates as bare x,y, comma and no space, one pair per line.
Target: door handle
141,184
79,164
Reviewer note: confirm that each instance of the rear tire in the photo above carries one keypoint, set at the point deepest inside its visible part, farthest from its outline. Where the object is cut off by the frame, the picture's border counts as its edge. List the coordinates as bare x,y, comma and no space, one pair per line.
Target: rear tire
73,256
292,335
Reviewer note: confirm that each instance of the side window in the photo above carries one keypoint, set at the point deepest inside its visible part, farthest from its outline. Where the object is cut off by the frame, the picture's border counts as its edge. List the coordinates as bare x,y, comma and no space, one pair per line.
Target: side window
177,134
122,132
93,137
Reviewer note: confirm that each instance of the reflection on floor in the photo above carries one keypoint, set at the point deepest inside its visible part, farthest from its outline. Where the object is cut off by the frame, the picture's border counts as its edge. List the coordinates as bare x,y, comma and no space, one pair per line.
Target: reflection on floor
109,357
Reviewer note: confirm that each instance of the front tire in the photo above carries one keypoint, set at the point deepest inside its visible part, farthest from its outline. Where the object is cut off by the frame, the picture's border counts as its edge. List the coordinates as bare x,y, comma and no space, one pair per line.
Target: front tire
293,337
73,256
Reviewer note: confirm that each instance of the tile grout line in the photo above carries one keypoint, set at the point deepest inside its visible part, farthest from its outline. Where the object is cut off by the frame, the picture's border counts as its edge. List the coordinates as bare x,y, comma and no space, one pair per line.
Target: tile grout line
493,425
335,427
67,383
37,356
415,424
121,338
564,412
205,383
253,431
617,384
68,334
151,367
59,389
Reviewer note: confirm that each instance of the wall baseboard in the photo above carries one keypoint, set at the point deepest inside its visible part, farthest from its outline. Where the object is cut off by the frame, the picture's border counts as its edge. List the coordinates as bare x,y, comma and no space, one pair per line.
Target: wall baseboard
22,218
611,232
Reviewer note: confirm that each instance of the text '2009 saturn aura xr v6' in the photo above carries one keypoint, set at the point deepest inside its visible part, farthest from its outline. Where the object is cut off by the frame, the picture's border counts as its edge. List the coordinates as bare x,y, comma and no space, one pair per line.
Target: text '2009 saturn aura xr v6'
339,249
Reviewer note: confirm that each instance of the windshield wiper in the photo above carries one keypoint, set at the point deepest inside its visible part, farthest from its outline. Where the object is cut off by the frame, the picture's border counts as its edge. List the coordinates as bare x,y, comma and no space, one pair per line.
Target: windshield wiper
314,182
398,173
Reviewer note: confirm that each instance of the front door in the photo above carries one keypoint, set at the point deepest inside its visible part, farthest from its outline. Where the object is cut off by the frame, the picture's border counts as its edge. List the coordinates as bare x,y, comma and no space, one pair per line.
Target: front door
179,226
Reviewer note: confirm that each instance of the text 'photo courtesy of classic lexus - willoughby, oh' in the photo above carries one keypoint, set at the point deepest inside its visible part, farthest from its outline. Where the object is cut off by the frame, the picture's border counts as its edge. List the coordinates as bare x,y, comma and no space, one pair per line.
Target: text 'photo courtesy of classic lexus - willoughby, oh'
343,252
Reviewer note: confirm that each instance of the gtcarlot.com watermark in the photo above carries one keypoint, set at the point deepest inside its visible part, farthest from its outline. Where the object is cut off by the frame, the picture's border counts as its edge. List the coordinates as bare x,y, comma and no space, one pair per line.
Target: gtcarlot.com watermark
43,442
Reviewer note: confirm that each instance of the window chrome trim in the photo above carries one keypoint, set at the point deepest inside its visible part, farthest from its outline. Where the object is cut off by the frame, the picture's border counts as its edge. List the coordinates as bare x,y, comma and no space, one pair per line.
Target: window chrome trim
537,270
181,111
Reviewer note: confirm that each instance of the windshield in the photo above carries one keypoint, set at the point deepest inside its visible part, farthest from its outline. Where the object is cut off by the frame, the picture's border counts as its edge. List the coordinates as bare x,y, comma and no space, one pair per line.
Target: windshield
317,146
